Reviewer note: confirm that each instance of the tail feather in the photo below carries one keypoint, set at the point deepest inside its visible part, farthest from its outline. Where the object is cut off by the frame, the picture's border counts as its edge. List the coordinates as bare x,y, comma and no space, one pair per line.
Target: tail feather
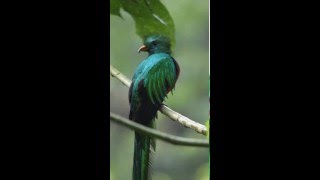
144,146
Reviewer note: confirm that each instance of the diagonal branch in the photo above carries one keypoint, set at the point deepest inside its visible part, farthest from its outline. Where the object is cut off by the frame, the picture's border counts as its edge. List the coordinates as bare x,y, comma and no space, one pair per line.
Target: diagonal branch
158,134
186,122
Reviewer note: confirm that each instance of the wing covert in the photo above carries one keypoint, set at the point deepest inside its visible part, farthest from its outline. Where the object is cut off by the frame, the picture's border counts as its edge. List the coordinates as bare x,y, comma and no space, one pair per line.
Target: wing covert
160,79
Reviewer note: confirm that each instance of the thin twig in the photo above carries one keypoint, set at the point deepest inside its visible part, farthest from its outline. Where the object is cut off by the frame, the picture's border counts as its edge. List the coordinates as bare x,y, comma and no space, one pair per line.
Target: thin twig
158,134
186,122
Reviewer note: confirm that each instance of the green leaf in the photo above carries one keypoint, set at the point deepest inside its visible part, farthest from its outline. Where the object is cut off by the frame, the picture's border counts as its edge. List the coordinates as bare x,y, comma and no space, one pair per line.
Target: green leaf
151,17
115,7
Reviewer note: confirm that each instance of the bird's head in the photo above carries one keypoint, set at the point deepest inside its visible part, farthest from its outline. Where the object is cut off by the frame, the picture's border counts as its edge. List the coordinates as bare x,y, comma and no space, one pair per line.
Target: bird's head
156,44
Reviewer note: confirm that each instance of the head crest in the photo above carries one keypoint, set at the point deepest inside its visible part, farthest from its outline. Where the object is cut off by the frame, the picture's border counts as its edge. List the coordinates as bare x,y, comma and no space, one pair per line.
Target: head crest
157,37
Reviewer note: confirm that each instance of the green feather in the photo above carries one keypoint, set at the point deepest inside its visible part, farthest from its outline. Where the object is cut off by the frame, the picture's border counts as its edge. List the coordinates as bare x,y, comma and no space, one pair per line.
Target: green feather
160,85
154,88
141,157
171,78
162,80
149,90
144,146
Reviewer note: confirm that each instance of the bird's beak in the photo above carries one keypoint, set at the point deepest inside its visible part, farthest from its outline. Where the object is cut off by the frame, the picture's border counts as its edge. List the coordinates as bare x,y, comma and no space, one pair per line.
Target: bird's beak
143,48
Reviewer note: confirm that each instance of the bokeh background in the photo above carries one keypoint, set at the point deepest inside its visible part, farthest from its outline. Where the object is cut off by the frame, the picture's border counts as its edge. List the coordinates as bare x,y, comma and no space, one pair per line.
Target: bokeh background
190,97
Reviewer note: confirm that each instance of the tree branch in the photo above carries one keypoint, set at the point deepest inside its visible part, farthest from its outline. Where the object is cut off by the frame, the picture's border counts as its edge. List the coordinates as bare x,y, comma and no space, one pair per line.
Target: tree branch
186,122
158,134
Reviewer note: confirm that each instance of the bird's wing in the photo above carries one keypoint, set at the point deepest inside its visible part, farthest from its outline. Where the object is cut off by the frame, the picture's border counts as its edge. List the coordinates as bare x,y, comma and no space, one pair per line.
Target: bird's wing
160,78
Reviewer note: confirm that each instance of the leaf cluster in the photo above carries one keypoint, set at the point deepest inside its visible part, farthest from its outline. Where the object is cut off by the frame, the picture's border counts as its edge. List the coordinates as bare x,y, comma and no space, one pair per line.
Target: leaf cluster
150,16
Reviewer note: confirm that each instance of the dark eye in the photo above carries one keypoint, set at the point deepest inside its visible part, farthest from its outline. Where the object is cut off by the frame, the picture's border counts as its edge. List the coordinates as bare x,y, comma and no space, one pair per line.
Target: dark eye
154,43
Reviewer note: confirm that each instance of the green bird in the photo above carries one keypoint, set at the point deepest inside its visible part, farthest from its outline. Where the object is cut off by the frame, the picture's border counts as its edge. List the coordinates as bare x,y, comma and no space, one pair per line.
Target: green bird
153,79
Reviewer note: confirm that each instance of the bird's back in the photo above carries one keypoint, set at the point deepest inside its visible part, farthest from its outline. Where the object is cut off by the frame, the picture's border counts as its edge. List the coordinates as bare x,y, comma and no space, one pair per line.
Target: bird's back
146,84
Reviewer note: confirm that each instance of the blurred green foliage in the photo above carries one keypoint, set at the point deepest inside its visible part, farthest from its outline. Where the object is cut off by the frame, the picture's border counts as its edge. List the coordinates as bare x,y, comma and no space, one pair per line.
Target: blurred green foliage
190,97
115,6
150,16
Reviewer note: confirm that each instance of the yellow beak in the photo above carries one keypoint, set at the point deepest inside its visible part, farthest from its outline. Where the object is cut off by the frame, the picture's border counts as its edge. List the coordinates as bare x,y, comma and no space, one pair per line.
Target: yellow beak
143,48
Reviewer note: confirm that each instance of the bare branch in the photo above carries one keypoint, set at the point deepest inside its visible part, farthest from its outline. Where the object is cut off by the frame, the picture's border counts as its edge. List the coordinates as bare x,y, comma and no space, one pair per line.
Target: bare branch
158,134
186,122
175,116
115,73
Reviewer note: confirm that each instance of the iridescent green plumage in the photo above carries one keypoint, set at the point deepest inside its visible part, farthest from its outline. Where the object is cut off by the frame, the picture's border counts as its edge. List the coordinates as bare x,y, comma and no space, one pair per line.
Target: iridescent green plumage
153,79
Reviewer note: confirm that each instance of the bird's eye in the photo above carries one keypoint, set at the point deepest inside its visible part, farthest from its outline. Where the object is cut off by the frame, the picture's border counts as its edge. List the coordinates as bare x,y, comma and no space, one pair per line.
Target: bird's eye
154,43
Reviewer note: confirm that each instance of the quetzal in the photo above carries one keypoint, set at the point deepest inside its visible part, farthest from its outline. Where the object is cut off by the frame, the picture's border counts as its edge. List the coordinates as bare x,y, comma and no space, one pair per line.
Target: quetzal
153,79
